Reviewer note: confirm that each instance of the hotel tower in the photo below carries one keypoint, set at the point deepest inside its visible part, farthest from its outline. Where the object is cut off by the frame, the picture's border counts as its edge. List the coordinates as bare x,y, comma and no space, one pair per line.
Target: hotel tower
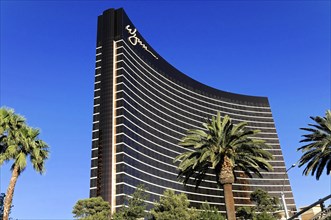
143,106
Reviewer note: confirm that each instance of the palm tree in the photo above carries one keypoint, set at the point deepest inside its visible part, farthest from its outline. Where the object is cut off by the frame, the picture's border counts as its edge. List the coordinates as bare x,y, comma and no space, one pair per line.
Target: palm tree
222,147
317,152
18,141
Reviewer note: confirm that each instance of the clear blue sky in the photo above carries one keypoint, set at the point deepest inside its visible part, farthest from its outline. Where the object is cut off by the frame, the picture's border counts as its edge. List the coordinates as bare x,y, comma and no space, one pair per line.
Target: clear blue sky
278,49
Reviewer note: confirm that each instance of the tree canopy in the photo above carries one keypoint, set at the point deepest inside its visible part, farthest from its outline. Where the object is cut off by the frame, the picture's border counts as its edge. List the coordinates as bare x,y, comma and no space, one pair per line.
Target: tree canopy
18,142
135,206
223,147
264,202
173,206
208,212
92,209
265,205
317,150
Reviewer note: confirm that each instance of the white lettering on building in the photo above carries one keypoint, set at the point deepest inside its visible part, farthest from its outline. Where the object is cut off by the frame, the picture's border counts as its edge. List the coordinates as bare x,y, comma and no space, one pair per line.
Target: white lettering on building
134,40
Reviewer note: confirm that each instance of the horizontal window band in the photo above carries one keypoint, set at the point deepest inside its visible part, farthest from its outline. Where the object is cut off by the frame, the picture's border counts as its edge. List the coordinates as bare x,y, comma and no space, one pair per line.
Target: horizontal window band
149,119
169,135
156,137
124,183
179,97
176,125
171,165
175,182
177,190
163,133
146,164
158,122
202,187
175,145
206,97
191,107
164,187
149,149
175,174
272,127
181,116
273,133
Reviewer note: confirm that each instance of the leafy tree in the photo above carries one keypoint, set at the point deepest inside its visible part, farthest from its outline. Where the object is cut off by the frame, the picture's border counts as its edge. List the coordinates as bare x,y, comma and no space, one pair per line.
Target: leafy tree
265,205
264,202
264,216
92,209
317,152
136,206
223,147
245,213
208,212
173,206
19,141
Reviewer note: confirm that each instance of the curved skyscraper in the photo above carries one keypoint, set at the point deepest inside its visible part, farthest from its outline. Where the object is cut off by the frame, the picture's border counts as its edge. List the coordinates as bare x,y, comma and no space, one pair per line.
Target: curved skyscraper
143,106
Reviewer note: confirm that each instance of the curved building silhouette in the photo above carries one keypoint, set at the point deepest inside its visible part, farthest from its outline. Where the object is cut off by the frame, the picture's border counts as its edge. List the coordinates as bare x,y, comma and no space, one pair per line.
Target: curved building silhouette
143,106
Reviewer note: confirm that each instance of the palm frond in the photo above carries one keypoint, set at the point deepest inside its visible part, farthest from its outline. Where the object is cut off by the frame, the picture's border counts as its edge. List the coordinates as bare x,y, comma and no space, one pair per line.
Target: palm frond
221,139
317,152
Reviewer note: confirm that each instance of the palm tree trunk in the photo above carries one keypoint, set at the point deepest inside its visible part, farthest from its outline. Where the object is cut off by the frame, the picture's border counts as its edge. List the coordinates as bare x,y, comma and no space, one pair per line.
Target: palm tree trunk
229,202
10,193
226,178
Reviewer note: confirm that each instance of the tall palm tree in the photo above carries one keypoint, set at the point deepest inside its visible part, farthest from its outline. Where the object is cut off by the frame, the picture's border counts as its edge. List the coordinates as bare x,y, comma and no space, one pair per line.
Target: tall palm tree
222,147
317,152
18,143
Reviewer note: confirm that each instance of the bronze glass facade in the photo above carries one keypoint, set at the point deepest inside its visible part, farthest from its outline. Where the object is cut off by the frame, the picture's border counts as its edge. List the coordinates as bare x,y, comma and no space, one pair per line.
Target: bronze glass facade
143,106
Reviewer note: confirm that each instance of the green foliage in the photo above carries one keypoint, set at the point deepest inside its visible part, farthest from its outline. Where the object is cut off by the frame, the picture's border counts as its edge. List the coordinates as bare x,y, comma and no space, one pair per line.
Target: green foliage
10,124
317,152
245,213
223,147
173,206
208,212
18,142
263,201
92,209
220,140
264,216
265,205
135,208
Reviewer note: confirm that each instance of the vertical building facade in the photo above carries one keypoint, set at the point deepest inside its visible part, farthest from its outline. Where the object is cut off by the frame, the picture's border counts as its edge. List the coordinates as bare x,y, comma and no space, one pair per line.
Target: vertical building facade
143,106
